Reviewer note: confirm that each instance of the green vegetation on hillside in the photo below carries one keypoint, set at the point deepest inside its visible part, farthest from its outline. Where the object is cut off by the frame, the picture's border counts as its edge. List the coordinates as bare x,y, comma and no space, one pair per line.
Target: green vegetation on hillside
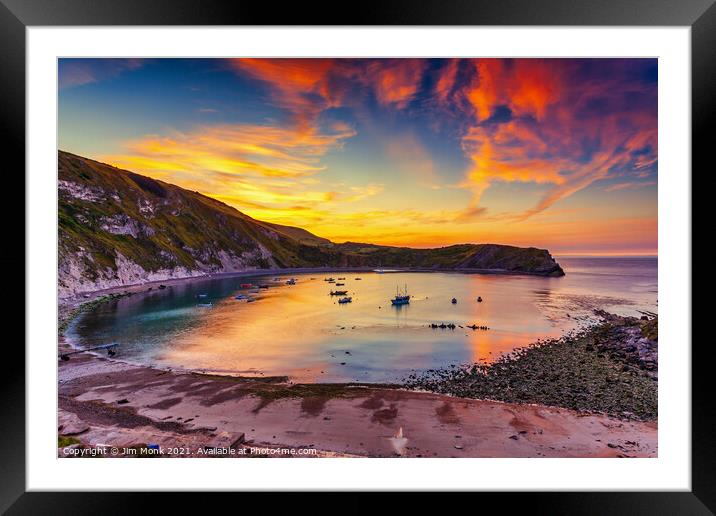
105,212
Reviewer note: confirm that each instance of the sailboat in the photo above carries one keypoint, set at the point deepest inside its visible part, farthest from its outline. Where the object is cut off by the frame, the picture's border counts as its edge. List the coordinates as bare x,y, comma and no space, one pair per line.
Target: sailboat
401,298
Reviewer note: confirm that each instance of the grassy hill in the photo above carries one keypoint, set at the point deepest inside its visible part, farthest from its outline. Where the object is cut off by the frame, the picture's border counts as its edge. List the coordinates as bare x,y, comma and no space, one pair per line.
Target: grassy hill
117,227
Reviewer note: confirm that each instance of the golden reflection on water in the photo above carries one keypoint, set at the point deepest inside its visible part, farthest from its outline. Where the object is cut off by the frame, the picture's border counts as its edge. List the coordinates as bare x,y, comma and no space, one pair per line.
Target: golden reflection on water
302,331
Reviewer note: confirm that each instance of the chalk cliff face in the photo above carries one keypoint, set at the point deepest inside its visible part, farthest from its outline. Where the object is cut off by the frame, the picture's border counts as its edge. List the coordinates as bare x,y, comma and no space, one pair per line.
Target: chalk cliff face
120,228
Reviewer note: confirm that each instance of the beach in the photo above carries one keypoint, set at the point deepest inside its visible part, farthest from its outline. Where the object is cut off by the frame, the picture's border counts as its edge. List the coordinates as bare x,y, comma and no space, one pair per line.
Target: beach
106,401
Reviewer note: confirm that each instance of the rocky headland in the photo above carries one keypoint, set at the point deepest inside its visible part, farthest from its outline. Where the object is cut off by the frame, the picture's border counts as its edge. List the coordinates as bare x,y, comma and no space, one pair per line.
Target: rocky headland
118,228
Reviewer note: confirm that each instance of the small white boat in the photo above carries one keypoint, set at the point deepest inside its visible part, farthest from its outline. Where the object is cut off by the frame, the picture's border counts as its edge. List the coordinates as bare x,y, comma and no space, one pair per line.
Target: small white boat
204,305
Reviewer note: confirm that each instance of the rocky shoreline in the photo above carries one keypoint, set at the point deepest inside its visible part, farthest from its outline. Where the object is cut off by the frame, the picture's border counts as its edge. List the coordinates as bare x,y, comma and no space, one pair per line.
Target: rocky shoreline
610,368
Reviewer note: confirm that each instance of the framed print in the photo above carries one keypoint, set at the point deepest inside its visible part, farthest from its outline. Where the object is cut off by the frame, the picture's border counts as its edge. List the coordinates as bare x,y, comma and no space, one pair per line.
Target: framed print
430,250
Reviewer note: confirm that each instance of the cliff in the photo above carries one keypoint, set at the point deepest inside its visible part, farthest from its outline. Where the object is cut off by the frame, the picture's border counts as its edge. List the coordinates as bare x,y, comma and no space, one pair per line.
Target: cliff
119,228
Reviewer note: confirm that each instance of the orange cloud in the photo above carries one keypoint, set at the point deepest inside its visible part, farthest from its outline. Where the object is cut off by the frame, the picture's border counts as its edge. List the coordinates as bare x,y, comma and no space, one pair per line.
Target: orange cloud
261,164
533,122
534,86
446,83
252,150
395,81
299,85
306,87
488,91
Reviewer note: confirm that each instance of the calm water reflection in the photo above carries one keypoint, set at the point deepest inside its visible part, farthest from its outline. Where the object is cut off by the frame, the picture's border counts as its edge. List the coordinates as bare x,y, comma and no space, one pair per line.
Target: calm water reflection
301,331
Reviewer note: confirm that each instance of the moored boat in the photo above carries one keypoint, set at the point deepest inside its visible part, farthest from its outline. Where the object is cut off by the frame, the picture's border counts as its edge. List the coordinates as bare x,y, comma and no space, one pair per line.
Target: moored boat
344,300
338,292
401,298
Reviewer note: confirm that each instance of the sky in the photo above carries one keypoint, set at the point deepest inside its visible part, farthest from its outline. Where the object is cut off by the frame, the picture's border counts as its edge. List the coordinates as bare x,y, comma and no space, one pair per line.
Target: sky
552,153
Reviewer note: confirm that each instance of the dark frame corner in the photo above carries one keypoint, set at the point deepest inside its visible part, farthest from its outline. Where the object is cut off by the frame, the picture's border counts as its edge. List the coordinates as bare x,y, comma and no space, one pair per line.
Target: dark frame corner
17,15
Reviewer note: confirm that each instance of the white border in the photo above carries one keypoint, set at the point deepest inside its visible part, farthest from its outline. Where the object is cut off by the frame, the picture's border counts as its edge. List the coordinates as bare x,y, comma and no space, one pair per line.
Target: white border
671,470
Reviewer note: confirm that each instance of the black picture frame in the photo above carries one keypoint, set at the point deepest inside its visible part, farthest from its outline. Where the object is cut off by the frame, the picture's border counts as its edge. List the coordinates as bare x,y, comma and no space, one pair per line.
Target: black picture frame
17,15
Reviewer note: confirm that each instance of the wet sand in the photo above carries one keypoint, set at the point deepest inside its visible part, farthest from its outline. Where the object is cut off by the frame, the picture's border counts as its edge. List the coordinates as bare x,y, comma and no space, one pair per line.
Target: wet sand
103,401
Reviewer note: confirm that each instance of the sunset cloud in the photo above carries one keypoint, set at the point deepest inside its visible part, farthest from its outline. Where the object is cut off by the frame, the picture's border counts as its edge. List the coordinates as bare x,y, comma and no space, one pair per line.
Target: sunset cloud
306,87
302,86
394,81
247,166
555,122
404,151
242,150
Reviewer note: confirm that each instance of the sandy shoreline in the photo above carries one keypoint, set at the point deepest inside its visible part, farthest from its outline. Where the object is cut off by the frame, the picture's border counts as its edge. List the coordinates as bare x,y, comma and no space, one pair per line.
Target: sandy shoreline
109,402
